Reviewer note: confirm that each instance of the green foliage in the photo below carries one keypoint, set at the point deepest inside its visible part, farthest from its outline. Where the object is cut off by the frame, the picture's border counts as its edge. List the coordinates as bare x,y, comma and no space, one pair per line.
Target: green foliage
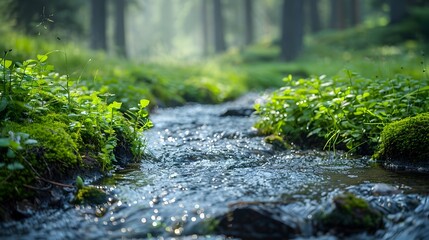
406,140
346,111
79,182
50,126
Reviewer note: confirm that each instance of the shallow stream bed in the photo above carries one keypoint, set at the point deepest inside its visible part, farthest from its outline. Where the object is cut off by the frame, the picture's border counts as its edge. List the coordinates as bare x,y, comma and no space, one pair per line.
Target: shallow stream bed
203,163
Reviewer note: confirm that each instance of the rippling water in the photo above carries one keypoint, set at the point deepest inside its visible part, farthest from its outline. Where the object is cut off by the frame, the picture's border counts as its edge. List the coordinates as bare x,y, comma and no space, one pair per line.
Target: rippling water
200,164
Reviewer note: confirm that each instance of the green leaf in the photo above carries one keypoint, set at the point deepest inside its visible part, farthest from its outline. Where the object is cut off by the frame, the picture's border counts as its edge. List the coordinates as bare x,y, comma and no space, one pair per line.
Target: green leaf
10,153
15,145
50,68
115,105
4,142
15,166
42,58
144,103
6,63
79,182
30,141
2,164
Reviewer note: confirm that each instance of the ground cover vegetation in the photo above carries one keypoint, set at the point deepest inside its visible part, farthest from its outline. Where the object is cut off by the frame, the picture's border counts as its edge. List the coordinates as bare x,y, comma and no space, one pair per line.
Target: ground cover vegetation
53,128
376,80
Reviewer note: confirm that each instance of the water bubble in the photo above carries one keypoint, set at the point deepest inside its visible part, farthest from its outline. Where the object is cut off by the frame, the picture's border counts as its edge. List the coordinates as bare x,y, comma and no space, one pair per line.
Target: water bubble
178,231
143,220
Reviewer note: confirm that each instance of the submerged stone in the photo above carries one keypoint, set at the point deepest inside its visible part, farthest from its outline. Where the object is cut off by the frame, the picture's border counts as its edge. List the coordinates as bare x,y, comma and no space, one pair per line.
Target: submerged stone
254,222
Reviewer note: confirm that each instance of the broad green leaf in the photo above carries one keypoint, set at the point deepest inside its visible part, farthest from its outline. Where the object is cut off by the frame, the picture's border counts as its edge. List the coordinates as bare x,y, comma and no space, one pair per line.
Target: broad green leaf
4,142
15,145
6,63
144,103
10,154
42,57
79,182
3,104
15,166
28,62
30,141
2,164
115,105
50,68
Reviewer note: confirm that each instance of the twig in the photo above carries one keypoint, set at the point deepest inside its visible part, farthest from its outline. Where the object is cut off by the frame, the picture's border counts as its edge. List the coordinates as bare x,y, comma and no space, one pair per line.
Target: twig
55,183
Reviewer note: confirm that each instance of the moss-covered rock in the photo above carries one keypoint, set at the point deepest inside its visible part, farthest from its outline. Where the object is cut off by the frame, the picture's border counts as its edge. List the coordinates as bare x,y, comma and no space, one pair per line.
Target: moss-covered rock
90,195
53,156
406,140
350,215
277,142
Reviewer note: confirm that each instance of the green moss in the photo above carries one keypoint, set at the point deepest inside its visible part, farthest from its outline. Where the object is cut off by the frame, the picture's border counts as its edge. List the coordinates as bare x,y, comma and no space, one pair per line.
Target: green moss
54,145
277,142
52,157
351,214
405,140
90,195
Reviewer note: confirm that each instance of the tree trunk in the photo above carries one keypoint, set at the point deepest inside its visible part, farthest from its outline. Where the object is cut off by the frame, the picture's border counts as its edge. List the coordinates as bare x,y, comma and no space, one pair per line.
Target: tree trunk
338,18
398,10
355,11
315,24
120,44
98,25
167,24
248,15
292,31
219,35
205,27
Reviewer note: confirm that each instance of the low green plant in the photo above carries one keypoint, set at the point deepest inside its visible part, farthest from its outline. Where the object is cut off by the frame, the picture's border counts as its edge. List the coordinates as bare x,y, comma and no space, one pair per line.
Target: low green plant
50,126
342,112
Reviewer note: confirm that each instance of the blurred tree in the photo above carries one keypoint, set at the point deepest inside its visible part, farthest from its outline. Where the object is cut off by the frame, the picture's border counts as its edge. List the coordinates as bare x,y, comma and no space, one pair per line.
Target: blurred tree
248,17
398,10
314,16
338,20
98,25
167,24
120,43
32,16
219,35
292,29
355,12
205,26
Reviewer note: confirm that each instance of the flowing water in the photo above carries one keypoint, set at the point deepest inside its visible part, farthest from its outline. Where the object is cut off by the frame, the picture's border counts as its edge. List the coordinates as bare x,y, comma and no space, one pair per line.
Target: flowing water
202,164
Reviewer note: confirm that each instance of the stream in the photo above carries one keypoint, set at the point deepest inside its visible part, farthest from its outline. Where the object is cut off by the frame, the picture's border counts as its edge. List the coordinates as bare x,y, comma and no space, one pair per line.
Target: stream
203,163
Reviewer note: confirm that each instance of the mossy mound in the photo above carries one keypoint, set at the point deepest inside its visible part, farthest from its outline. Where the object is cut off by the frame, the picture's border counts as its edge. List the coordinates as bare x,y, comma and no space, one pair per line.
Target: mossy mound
351,215
90,195
52,156
406,141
